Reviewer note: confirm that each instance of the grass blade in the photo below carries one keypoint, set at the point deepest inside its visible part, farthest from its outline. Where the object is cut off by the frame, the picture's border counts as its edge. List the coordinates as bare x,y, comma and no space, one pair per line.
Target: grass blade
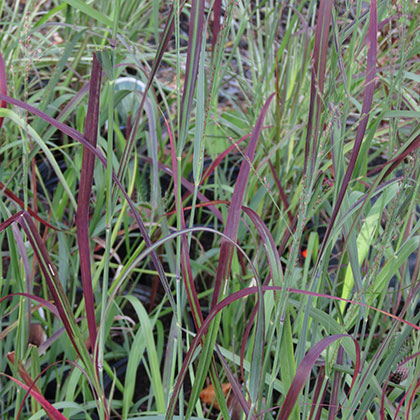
85,188
3,85
305,369
217,15
21,204
318,78
51,411
195,36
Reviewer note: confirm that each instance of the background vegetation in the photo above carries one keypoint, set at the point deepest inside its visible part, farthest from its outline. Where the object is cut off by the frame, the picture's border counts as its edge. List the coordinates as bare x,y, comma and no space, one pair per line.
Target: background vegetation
209,209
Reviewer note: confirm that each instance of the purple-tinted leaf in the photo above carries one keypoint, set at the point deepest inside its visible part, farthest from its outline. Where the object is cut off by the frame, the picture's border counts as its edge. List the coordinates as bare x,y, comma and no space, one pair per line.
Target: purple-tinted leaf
51,411
332,412
305,369
83,201
3,85
282,193
42,301
318,76
26,378
21,204
265,235
318,387
406,394
217,14
413,395
50,274
219,158
366,107
232,222
321,405
268,241
71,104
54,286
415,144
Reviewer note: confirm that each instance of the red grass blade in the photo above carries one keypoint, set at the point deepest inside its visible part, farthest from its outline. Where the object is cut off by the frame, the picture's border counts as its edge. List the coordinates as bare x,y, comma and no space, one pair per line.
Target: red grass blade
318,387
163,44
18,201
282,193
38,299
50,274
3,85
318,75
415,144
333,410
51,411
217,14
219,158
305,369
85,188
23,372
236,388
190,187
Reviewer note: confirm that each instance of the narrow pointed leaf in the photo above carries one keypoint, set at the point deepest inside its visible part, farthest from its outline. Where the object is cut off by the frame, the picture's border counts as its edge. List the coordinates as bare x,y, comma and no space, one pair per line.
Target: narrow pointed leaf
3,85
85,188
51,411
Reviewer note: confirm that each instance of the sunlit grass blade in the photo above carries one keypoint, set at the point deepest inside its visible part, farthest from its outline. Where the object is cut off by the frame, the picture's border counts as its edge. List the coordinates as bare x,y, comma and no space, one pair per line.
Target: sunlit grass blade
21,204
